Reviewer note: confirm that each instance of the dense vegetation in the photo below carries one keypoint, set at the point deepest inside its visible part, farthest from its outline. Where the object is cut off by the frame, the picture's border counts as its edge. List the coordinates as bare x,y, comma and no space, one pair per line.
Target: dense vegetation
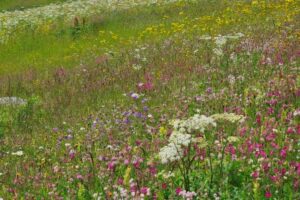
145,100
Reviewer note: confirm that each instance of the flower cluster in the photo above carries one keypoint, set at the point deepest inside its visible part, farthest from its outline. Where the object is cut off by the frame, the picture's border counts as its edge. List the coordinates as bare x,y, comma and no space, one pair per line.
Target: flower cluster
181,136
230,117
196,122
10,21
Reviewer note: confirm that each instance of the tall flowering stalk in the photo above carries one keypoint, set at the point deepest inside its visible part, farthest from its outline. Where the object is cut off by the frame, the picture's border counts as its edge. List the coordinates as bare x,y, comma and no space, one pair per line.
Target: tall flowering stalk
180,145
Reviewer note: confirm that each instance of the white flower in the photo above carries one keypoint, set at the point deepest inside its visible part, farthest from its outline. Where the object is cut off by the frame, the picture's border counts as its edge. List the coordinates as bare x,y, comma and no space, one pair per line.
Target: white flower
296,113
220,41
67,144
180,139
12,101
204,37
232,139
194,123
231,117
170,153
231,79
136,67
181,136
18,153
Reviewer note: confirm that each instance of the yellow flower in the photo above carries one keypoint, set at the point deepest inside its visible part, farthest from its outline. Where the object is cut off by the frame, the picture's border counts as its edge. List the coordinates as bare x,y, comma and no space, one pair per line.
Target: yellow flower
127,176
162,130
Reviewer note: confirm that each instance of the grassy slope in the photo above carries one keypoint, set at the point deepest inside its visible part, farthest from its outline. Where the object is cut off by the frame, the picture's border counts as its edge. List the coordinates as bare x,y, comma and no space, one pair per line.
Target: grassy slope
21,4
29,50
96,90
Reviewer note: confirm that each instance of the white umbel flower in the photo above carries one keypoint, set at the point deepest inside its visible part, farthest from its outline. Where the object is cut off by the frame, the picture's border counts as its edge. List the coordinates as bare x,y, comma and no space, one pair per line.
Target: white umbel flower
180,139
231,117
170,153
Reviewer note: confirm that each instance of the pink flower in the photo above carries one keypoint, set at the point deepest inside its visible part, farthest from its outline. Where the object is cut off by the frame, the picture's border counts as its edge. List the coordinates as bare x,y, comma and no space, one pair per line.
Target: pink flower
145,191
72,154
178,190
79,176
126,162
152,170
111,165
283,152
290,130
120,181
258,119
255,174
268,194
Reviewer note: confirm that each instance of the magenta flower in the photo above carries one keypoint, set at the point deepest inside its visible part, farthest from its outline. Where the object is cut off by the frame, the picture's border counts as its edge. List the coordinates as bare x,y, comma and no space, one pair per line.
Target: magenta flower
145,191
255,174
178,190
111,165
268,194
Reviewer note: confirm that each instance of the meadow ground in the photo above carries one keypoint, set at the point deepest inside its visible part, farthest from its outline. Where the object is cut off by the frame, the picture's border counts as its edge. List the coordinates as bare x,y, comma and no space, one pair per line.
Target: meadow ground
150,99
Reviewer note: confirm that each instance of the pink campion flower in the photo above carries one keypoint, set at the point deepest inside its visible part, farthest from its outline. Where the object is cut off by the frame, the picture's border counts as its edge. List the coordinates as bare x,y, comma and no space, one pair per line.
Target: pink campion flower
111,165
178,190
290,130
137,162
126,162
133,188
120,181
266,166
79,177
283,152
152,170
243,131
272,102
274,145
279,59
138,142
283,171
255,174
270,111
148,86
72,154
209,90
271,136
268,194
145,191
258,119
262,153
274,178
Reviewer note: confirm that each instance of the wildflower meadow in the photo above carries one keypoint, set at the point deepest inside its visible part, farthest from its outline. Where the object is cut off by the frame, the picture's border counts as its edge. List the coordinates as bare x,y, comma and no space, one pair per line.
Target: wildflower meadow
150,99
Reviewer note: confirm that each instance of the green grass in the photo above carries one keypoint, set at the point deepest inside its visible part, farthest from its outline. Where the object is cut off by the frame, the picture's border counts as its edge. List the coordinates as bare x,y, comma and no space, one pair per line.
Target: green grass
9,5
31,50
